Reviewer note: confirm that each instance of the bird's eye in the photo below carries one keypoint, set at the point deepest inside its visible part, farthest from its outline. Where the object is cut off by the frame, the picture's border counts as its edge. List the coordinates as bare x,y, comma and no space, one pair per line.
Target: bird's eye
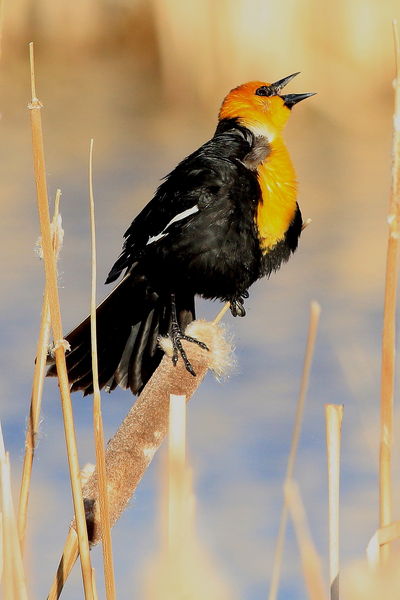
264,90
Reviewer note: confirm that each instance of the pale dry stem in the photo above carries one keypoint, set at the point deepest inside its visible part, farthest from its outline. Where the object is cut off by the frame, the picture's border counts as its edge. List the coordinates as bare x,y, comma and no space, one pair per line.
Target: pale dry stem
1,26
311,562
176,476
334,416
315,311
97,416
14,584
37,389
55,314
385,535
389,321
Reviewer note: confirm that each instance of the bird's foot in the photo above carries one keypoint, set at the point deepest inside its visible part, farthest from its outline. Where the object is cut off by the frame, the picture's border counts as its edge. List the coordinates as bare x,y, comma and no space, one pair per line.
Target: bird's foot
237,305
177,336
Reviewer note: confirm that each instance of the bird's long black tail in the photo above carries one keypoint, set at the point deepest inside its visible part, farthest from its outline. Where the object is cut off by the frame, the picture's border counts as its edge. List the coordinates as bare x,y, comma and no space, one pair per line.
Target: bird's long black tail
129,322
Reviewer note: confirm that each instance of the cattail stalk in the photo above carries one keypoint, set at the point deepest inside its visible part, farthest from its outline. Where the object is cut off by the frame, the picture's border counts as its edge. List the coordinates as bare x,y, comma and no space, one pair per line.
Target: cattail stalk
131,449
176,475
311,563
37,390
386,535
389,320
59,343
315,311
14,576
334,416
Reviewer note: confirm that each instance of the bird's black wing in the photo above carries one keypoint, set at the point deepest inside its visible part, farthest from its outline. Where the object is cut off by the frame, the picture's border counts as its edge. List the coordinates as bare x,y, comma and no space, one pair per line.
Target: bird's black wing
193,184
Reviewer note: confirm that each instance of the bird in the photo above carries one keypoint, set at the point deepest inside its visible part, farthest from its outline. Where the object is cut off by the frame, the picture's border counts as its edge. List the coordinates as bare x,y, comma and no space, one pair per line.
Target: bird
226,216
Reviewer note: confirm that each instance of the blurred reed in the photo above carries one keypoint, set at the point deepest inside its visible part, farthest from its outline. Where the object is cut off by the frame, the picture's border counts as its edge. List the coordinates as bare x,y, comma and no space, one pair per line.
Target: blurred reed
389,319
38,382
12,575
183,567
310,560
104,510
202,48
1,25
176,478
315,311
333,418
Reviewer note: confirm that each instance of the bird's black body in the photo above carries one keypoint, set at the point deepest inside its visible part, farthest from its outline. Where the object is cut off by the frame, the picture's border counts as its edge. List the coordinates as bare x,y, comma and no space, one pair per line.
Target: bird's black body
216,251
198,235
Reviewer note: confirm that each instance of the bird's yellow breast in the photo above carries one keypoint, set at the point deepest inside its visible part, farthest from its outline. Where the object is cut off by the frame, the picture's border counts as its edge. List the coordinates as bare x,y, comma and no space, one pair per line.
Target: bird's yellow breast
277,206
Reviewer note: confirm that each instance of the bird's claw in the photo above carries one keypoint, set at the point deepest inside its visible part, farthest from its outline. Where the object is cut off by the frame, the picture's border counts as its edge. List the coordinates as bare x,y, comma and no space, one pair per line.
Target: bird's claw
177,336
237,305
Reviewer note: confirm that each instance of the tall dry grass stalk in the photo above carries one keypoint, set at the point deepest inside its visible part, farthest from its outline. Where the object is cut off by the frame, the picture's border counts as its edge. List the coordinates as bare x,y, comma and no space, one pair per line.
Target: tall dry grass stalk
14,584
176,476
37,385
221,313
333,416
97,416
59,343
95,594
315,311
311,562
1,547
389,320
1,26
183,567
383,536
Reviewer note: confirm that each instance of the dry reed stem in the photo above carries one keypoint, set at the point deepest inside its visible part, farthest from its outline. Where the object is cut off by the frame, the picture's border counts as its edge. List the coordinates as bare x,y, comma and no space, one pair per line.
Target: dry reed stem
8,571
315,311
311,563
6,566
130,451
68,559
59,344
1,26
389,321
109,578
95,594
176,475
386,535
334,416
221,313
37,391
14,576
1,546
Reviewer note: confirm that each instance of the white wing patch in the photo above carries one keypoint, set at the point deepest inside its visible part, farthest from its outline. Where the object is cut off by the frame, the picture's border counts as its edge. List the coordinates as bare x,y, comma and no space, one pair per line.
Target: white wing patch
179,217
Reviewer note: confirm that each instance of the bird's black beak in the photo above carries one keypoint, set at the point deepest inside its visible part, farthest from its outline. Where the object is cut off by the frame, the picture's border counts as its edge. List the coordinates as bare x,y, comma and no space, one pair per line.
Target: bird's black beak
290,100
279,85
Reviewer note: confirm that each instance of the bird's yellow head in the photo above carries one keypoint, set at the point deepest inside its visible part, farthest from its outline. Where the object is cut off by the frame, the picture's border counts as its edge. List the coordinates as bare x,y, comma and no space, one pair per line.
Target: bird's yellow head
260,106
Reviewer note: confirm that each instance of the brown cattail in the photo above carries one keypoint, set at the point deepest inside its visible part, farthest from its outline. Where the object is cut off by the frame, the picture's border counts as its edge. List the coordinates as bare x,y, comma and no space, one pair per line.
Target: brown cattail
132,448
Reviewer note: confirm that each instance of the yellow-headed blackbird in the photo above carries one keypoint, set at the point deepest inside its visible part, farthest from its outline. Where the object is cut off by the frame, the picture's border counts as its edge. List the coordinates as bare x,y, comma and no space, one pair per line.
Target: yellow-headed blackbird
224,217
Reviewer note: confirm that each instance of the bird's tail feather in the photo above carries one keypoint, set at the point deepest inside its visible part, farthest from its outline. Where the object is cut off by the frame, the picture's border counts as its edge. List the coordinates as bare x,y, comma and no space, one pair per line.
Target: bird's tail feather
129,322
